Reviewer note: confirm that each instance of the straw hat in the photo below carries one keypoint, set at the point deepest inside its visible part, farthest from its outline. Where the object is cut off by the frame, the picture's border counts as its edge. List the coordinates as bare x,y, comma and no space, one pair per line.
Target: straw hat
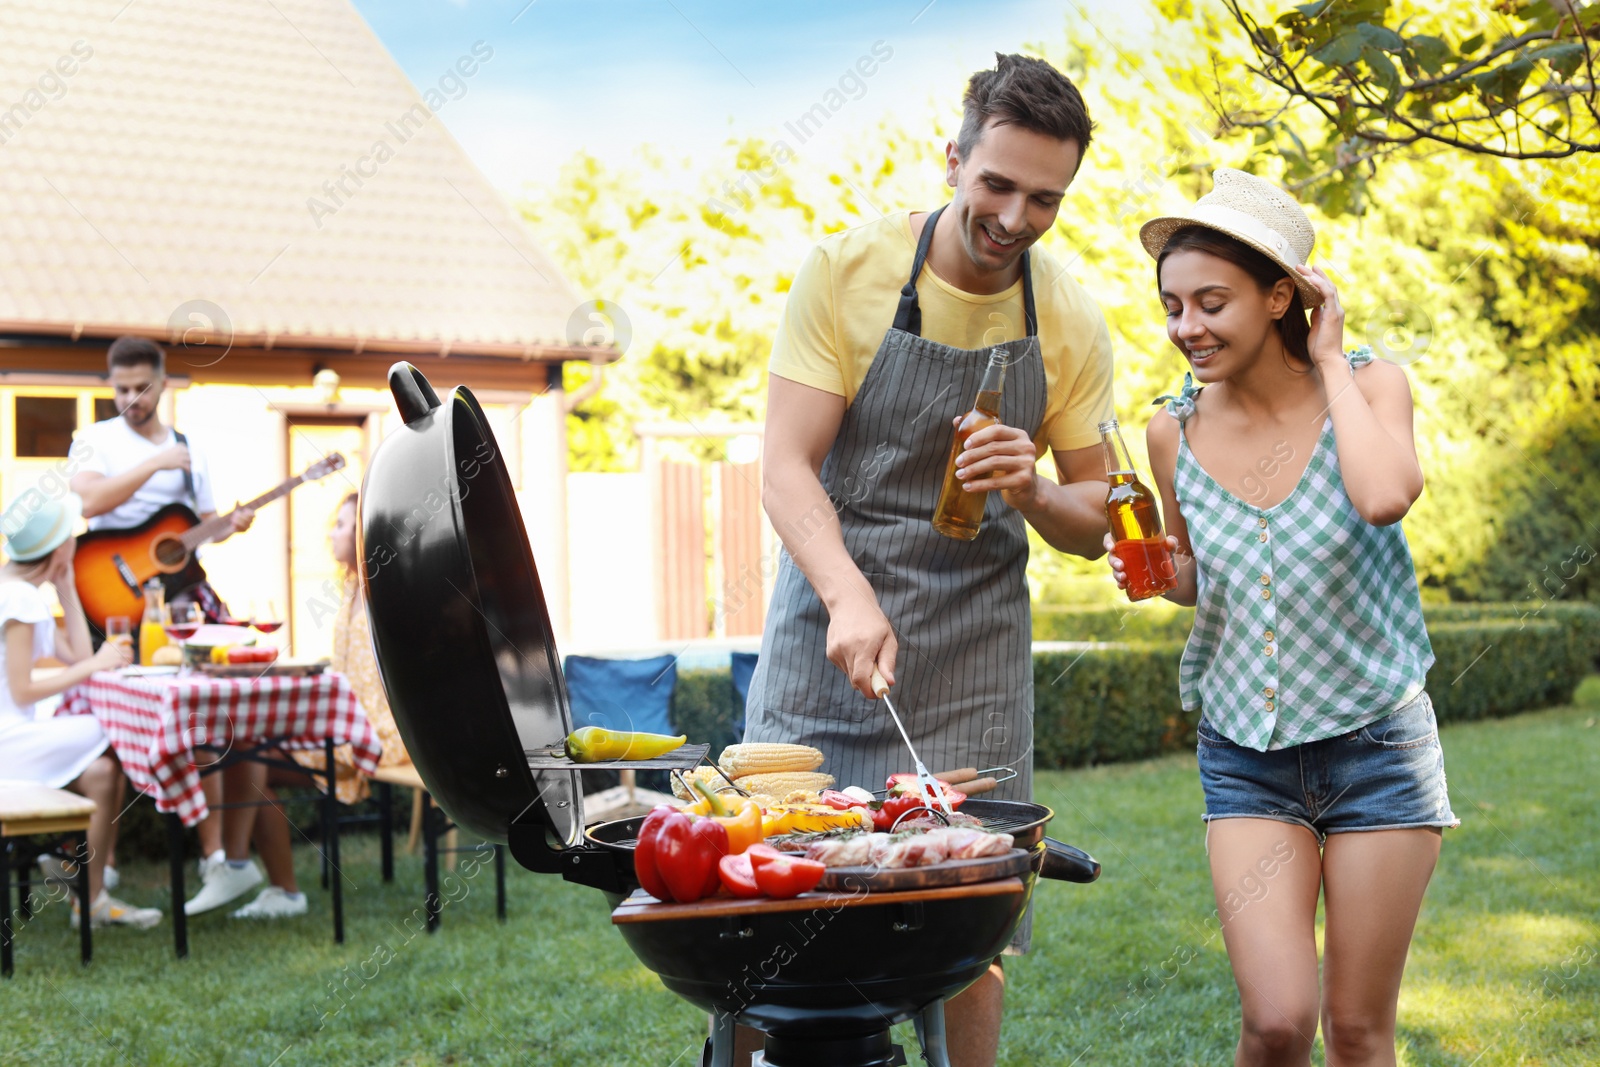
35,525
1254,211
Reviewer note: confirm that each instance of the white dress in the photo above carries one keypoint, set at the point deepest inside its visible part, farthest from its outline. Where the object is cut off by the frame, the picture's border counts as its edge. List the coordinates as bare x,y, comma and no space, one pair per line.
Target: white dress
50,751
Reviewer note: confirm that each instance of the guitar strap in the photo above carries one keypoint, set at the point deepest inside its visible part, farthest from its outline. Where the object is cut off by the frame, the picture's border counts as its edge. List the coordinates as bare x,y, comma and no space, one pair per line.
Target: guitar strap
188,475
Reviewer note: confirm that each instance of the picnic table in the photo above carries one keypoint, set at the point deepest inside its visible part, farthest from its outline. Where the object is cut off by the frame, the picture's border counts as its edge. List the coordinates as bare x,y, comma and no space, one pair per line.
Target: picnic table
156,721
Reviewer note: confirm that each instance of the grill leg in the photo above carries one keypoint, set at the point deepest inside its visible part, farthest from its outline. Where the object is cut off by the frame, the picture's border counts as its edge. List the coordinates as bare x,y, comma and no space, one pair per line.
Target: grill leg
431,817
85,942
386,828
180,920
500,882
930,1035
5,908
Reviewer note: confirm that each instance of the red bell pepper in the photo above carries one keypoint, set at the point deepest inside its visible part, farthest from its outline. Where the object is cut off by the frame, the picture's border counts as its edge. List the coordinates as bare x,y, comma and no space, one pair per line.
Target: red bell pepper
644,853
906,785
687,853
738,876
843,801
783,875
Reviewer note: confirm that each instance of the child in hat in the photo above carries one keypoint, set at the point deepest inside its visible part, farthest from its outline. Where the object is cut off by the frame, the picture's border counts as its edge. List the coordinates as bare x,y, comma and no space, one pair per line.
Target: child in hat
67,751
1284,474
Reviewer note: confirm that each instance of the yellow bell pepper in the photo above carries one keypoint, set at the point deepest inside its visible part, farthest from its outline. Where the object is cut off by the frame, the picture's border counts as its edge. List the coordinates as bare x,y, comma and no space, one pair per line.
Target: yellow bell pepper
816,819
741,818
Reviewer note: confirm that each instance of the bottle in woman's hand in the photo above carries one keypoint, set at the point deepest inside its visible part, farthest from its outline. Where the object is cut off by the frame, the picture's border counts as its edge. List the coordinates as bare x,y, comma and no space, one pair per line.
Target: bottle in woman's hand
1137,541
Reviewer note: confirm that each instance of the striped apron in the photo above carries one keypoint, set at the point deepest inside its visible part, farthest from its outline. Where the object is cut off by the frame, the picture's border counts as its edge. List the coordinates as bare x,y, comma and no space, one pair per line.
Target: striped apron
960,609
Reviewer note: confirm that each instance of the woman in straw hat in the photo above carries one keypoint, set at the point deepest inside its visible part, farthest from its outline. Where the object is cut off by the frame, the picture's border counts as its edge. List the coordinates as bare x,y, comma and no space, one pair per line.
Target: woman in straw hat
1285,465
67,750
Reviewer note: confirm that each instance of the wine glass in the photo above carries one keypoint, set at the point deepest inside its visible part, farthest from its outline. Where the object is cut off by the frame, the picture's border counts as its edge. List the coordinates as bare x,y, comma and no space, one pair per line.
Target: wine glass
266,619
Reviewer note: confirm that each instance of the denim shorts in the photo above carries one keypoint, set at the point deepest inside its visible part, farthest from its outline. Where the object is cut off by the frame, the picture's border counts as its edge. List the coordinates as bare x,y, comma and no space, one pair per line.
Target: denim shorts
1388,775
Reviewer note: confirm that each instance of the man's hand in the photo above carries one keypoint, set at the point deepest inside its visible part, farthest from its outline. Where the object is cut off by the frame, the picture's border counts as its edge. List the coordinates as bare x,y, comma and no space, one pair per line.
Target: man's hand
242,517
860,640
1000,458
171,459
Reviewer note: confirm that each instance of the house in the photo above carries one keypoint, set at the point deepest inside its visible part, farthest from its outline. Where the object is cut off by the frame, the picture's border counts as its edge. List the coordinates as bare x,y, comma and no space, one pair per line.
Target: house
261,189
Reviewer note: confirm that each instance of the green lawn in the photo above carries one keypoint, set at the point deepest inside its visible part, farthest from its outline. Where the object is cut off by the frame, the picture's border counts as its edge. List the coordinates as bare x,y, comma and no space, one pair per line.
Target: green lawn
1505,968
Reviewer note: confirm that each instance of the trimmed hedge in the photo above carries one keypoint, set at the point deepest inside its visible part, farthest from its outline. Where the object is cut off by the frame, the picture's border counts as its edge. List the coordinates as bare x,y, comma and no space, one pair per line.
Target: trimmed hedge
1148,621
1113,702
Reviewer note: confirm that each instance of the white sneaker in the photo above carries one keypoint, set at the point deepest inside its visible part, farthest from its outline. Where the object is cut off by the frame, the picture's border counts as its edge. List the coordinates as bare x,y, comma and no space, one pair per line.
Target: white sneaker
107,910
216,859
273,903
223,882
111,878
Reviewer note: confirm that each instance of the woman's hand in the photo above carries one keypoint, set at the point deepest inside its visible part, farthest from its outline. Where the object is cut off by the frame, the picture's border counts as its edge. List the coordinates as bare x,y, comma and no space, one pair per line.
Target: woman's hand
1120,573
1326,342
110,657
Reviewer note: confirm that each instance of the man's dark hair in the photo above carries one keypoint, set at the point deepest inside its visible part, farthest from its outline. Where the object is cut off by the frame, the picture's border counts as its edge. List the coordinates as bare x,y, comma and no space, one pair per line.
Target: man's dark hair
128,351
1027,92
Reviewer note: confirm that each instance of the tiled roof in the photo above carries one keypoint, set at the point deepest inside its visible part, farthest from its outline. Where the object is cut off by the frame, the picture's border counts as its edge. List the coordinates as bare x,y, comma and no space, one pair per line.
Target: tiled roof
158,152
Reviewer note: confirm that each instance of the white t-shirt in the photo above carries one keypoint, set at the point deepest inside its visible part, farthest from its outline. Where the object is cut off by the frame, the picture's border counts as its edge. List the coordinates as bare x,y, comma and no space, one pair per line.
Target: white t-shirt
112,447
24,602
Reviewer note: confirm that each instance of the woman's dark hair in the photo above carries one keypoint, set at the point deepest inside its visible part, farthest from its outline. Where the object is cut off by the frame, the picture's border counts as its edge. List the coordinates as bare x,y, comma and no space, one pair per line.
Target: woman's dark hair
1292,327
1026,92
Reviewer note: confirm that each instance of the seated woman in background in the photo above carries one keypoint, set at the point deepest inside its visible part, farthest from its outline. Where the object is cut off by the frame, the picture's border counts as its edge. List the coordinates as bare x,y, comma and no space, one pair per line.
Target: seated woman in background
65,751
353,658
267,826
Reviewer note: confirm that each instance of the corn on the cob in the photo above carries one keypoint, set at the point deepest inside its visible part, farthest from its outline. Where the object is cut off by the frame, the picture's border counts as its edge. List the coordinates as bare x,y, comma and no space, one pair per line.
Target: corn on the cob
708,775
768,757
782,783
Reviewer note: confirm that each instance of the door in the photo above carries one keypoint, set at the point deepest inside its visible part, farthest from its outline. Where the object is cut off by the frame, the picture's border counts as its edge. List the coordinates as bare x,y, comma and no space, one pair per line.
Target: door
315,580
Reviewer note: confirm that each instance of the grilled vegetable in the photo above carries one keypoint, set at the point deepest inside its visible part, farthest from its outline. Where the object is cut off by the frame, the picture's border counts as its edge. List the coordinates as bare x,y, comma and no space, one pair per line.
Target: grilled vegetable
708,775
817,818
678,855
782,783
644,853
741,819
781,876
883,818
738,876
769,757
901,785
596,744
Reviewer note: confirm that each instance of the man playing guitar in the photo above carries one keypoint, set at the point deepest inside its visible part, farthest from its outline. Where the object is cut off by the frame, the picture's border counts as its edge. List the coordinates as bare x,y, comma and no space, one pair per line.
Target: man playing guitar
135,464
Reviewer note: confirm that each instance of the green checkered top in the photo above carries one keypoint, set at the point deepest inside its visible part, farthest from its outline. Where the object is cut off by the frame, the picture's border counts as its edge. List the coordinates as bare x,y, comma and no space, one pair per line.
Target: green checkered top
1308,623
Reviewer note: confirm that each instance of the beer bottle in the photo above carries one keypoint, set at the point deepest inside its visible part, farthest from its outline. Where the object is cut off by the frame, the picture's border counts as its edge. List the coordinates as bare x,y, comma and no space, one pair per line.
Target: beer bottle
959,513
1135,520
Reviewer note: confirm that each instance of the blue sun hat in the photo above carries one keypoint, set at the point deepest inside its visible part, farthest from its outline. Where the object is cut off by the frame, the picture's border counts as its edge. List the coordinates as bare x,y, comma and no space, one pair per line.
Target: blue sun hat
36,524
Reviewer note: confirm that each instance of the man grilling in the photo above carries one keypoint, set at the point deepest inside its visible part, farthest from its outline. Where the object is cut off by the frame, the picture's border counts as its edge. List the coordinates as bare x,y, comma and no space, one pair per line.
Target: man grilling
887,330
135,464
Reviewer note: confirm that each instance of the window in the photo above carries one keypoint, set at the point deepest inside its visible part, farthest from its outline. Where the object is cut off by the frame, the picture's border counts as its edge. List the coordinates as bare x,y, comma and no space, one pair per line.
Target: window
104,408
45,425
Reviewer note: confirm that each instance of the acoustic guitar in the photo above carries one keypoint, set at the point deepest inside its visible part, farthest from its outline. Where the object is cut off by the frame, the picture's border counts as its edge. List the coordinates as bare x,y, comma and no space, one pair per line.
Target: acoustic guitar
112,565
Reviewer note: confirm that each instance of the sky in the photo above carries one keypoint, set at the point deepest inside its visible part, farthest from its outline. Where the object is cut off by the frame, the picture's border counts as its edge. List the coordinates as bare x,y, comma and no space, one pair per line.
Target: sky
605,76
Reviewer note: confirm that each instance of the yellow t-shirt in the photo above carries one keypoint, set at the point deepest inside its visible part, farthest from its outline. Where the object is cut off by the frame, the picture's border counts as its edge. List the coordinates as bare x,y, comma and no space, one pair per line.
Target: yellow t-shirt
844,298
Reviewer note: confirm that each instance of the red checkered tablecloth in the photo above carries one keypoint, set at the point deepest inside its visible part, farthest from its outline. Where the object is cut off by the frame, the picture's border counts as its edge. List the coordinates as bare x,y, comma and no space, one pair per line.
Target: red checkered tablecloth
154,723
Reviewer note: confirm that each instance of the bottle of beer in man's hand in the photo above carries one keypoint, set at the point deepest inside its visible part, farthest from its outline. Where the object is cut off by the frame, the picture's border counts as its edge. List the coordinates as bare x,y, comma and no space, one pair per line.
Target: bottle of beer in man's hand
960,513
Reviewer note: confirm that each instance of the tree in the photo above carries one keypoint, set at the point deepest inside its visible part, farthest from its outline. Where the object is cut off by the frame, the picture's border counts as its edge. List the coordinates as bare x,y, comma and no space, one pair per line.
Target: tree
1516,81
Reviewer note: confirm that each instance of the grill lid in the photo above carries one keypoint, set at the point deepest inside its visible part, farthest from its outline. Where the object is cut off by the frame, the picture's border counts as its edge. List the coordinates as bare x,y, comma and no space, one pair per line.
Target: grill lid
459,626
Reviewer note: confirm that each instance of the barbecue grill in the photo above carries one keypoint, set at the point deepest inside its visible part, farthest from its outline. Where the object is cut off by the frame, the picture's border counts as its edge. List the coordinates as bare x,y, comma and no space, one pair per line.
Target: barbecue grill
469,662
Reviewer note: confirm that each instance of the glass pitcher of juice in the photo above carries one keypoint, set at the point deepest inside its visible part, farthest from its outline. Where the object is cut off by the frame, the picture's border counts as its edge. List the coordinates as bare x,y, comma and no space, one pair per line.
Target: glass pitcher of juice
152,626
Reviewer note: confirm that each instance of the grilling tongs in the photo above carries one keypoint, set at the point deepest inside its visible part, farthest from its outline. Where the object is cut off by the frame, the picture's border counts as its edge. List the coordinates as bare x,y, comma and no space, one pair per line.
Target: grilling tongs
927,783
